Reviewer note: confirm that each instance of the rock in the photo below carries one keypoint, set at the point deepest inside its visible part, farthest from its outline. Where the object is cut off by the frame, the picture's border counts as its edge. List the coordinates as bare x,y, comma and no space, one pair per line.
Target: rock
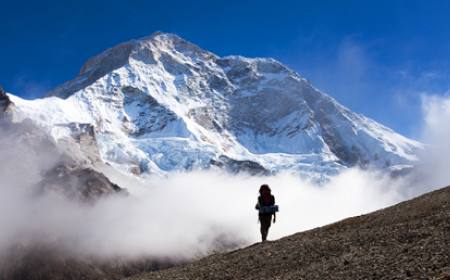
5,102
81,183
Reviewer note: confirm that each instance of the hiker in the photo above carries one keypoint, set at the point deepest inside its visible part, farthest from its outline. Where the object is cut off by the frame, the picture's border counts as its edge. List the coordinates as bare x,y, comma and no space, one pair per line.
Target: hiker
266,209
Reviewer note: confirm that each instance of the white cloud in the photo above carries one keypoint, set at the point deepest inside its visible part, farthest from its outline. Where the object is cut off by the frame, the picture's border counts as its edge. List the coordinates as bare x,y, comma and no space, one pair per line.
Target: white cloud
436,134
186,215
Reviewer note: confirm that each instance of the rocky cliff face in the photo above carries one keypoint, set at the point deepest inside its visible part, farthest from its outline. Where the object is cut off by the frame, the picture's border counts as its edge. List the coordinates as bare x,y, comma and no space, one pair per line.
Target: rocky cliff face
160,103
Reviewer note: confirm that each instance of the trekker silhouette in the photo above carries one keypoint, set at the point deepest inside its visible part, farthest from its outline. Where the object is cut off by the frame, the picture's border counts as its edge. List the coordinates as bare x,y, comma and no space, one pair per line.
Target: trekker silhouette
265,201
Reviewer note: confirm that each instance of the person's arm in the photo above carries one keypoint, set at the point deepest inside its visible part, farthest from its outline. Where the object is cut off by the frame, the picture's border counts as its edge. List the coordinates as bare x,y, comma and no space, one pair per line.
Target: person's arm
274,214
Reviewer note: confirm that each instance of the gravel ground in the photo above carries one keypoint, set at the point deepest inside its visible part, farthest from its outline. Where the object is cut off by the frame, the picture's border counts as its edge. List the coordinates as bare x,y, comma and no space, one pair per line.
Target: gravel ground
410,240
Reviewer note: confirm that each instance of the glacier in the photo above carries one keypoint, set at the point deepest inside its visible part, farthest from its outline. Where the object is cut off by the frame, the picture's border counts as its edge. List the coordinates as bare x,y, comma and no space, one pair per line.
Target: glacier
161,104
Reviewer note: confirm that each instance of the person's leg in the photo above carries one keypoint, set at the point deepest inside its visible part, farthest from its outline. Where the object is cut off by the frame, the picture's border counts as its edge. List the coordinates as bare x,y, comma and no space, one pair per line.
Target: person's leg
269,222
263,232
265,225
262,228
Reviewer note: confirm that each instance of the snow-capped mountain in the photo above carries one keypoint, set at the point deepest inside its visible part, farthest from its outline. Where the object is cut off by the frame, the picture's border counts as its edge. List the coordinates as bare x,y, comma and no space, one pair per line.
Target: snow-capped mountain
161,104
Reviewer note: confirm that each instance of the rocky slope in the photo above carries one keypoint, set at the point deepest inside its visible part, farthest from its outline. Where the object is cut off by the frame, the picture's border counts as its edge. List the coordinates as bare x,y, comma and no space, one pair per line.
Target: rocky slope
160,104
410,240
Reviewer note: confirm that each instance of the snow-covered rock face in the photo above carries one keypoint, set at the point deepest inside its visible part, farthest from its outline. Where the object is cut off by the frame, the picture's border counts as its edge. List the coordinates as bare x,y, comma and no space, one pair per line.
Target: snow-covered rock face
160,104
5,101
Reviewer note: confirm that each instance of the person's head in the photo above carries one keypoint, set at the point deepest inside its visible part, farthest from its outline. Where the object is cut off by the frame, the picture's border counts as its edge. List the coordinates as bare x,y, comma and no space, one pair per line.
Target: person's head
264,189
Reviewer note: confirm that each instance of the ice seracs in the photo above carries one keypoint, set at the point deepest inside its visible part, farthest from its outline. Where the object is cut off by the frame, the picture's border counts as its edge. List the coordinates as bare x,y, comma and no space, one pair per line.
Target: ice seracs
161,104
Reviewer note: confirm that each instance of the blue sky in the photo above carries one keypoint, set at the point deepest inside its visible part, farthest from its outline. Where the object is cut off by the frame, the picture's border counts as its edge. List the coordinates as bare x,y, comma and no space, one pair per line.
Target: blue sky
375,57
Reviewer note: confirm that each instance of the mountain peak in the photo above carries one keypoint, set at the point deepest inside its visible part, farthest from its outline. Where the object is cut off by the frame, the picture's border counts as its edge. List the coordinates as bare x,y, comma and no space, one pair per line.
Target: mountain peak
162,36
142,49
150,98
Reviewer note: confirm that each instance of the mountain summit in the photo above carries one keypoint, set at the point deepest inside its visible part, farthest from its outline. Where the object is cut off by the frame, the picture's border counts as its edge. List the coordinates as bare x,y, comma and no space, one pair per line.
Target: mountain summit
160,104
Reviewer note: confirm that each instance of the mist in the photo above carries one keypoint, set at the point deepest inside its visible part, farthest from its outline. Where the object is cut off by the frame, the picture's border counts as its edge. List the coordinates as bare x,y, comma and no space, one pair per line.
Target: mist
189,215
433,168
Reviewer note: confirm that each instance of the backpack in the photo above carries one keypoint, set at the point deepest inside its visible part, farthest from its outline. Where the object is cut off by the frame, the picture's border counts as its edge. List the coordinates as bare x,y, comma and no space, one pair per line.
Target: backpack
267,208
